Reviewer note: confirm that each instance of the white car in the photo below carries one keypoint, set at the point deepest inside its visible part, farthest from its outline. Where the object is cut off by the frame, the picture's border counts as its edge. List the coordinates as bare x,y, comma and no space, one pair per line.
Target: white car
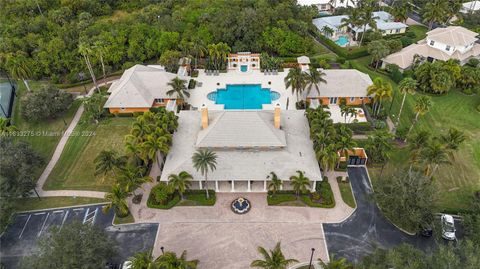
127,265
448,227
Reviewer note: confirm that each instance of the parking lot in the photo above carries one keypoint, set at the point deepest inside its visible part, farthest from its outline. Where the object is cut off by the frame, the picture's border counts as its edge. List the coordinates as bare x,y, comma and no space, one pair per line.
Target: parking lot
20,238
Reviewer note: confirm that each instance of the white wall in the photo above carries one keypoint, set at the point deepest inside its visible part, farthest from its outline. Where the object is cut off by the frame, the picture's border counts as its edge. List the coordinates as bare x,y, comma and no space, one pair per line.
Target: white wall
443,47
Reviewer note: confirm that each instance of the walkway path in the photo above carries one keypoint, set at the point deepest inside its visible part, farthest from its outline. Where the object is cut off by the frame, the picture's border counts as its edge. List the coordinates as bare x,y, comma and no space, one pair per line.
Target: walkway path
58,153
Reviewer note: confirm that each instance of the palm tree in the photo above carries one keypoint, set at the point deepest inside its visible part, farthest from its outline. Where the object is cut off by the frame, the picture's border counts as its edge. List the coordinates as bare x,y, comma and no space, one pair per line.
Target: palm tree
117,200
335,264
379,146
327,157
299,182
400,12
85,50
378,49
354,18
223,51
382,90
296,79
101,50
205,160
273,260
178,87
422,106
453,139
367,18
407,86
213,54
198,49
169,260
17,66
344,142
143,260
417,141
275,183
132,178
432,155
155,144
133,149
313,78
434,11
180,182
107,161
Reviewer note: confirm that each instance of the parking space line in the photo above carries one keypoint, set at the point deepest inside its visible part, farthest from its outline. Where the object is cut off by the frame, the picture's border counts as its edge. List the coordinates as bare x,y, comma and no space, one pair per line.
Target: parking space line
40,213
86,214
78,209
58,211
43,226
24,226
64,219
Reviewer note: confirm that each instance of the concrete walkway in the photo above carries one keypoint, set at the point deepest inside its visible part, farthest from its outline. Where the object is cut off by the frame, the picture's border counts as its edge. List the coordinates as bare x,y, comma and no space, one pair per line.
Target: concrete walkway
58,153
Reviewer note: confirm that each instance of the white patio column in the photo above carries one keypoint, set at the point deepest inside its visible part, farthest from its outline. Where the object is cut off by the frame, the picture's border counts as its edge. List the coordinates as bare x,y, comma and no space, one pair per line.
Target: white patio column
281,185
216,185
248,189
265,185
314,185
200,184
233,186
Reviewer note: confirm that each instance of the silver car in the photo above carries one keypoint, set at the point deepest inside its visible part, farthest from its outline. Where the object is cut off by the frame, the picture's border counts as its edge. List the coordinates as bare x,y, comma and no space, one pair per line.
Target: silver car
448,227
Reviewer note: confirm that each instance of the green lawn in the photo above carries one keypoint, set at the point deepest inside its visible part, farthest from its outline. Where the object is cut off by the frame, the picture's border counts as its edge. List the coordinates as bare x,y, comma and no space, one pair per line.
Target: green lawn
419,30
75,168
125,220
48,131
455,182
347,194
33,203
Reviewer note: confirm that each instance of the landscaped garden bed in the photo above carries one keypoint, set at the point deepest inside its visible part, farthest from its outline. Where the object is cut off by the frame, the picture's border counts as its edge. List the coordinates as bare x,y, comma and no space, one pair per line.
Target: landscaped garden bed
346,191
322,197
162,198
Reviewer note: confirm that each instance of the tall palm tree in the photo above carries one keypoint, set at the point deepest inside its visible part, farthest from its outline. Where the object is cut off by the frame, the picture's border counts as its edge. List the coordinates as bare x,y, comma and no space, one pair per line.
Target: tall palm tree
354,18
205,160
432,155
155,144
143,260
180,182
178,86
422,106
108,161
100,50
407,86
313,78
198,49
379,145
417,141
132,177
344,142
273,260
327,157
382,90
453,139
223,51
296,79
86,51
335,264
435,11
213,54
169,260
367,19
275,183
117,200
299,182
17,66
133,149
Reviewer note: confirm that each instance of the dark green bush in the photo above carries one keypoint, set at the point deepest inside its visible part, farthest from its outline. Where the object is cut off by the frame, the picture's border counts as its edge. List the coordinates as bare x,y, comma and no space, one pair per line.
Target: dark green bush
198,197
360,127
281,197
406,41
124,115
161,197
192,83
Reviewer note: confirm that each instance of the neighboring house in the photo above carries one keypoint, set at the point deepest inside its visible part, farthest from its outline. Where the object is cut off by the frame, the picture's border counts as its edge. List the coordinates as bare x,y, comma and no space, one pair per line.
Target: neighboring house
248,144
453,42
243,61
348,84
303,63
470,7
328,5
139,89
385,24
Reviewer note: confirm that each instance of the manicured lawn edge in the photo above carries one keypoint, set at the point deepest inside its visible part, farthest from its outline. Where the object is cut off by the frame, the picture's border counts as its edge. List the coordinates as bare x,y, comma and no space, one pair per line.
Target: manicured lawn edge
35,204
192,198
347,193
126,220
285,198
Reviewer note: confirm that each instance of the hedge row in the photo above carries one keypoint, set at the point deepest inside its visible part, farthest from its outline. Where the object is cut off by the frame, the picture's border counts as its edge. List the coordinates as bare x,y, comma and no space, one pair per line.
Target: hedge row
171,203
198,198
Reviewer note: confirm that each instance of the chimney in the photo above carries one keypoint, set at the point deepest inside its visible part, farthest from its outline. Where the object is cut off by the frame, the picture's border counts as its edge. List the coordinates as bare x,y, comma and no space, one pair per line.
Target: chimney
204,116
276,116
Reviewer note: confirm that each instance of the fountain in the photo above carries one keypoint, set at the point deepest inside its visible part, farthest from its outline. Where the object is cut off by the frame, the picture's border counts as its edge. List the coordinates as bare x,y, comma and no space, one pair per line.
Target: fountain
240,205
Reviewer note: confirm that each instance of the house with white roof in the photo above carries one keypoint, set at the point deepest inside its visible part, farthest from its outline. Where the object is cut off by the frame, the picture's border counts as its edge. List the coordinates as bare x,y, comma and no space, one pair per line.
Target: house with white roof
470,7
385,24
453,42
348,84
248,144
328,5
139,89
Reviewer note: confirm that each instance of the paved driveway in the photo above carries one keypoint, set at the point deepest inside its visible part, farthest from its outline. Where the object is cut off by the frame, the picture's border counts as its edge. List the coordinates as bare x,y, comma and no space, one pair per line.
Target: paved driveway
367,227
20,238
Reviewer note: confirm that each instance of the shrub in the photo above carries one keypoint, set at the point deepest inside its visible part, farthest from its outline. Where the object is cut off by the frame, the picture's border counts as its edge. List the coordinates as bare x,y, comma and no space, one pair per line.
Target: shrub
199,198
47,103
401,132
379,124
406,41
410,34
162,197
394,72
467,91
195,73
341,60
192,83
478,108
124,115
281,197
341,167
360,127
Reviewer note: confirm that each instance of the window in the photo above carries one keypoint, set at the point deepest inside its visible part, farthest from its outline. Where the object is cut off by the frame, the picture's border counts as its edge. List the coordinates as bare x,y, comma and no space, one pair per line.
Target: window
159,100
333,100
122,108
432,42
361,98
352,99
397,31
448,48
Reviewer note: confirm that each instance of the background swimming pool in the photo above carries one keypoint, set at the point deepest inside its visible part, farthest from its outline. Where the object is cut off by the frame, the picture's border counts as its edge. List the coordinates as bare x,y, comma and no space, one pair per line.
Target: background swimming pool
242,96
342,40
244,68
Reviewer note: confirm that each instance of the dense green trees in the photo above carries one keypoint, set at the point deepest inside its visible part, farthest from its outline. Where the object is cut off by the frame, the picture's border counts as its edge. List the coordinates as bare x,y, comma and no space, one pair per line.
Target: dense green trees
120,33
46,103
72,246
168,260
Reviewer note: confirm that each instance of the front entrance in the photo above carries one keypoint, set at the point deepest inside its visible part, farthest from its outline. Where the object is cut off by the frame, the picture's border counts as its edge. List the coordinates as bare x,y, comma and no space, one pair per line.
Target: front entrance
333,100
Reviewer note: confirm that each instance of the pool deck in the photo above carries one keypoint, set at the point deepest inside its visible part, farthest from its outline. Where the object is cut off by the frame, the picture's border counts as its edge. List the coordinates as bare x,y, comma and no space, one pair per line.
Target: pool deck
211,83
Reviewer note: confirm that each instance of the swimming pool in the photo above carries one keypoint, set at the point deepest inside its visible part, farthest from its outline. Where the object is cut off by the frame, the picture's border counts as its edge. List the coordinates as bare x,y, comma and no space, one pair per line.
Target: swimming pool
244,68
342,40
243,96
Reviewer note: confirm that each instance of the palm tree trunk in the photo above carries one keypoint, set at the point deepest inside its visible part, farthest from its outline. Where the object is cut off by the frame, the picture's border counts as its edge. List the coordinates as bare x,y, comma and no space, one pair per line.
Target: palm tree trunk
433,171
411,127
401,108
206,186
26,84
430,25
103,69
90,70
363,34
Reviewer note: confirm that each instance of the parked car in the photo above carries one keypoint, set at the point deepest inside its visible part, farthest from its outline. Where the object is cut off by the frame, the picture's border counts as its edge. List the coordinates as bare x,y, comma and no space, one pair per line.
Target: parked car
448,227
426,230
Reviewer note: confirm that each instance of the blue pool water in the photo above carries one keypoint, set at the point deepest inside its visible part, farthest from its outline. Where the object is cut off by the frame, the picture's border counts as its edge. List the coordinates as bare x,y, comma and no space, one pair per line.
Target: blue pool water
243,68
342,41
243,96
